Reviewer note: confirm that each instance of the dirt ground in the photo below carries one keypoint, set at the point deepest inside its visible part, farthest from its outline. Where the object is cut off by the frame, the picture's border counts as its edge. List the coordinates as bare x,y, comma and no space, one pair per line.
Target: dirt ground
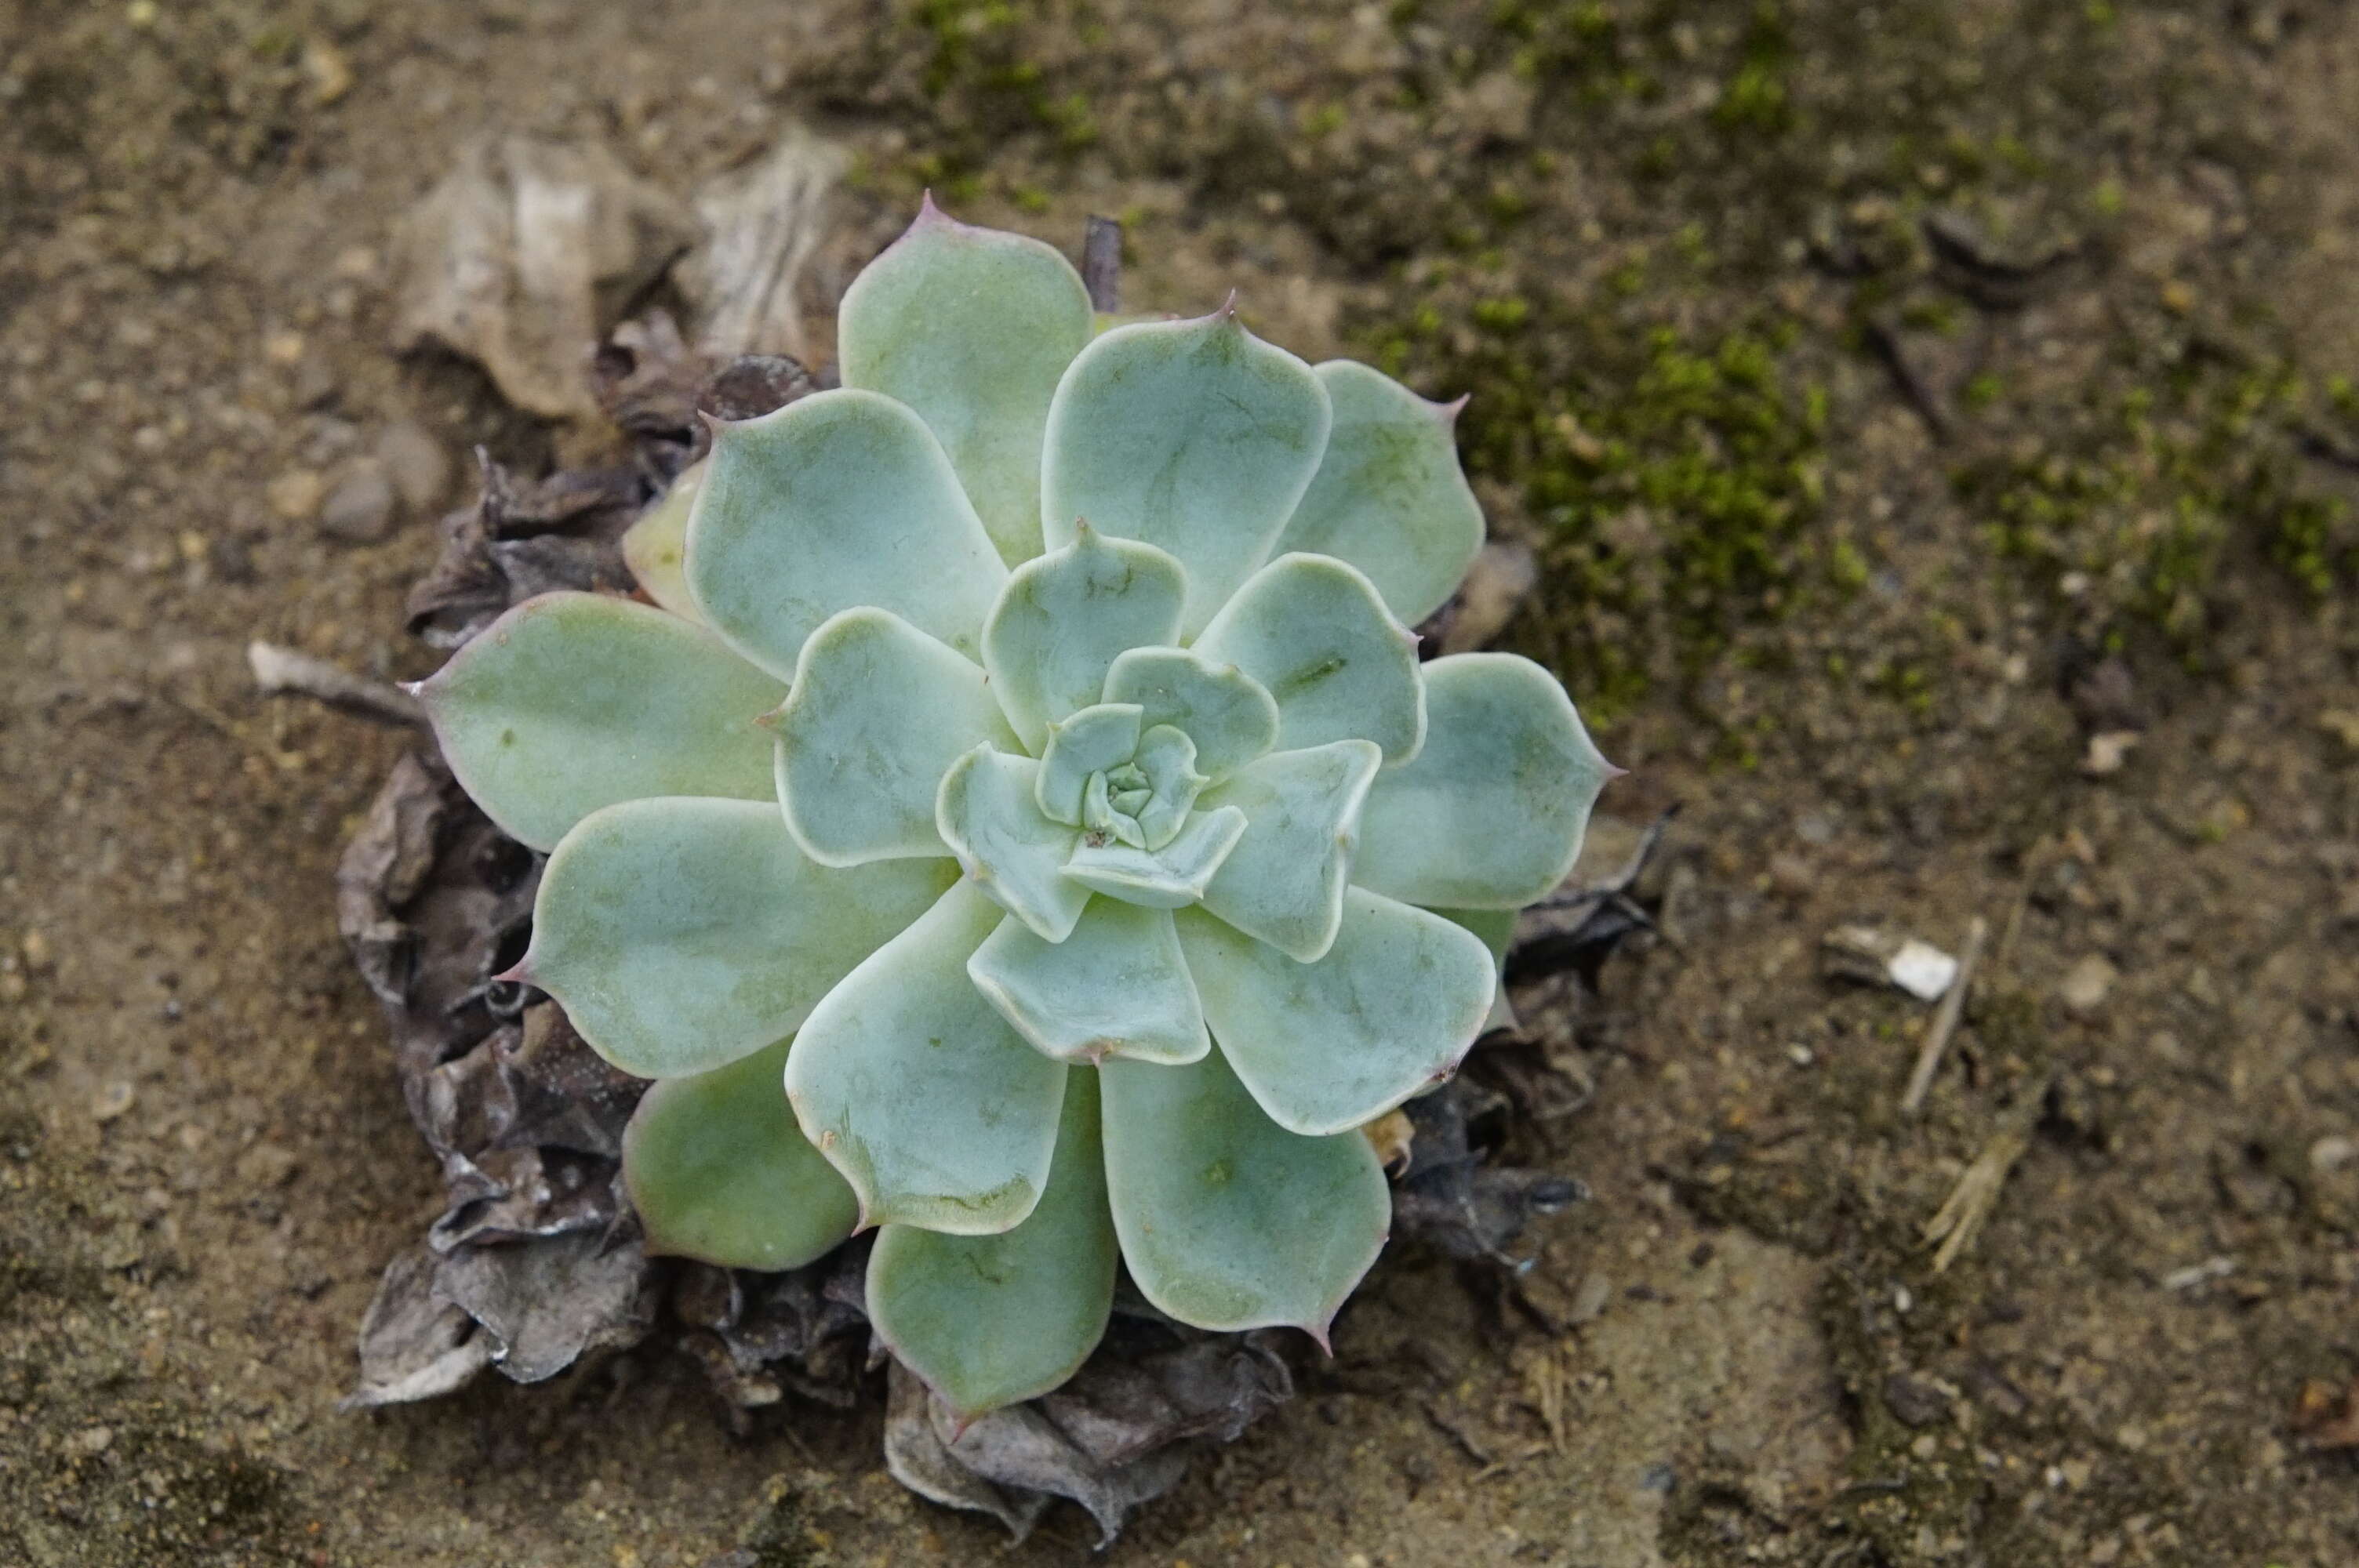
1930,419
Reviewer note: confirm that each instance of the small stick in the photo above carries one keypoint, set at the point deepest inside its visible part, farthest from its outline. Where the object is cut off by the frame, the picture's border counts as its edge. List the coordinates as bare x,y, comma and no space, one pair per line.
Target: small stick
277,669
1945,1022
1102,265
1961,1217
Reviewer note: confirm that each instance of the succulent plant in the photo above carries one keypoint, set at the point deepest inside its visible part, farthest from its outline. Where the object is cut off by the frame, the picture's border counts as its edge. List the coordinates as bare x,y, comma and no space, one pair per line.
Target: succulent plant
1026,763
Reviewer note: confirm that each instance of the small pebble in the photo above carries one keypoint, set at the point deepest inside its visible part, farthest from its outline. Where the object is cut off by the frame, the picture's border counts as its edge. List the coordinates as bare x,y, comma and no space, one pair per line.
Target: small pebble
2088,983
113,1098
2332,1153
36,948
359,511
295,495
1789,874
268,1165
416,462
316,383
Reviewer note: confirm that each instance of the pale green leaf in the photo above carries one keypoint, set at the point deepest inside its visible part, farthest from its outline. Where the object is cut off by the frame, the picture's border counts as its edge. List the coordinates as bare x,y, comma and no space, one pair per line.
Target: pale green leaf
1496,928
1081,746
988,815
878,713
1390,1011
936,1112
1062,620
1227,1220
1284,882
1167,761
1314,633
1195,437
1389,496
839,500
719,1172
656,546
1168,878
683,933
1117,986
1490,814
1222,709
572,701
971,328
989,1320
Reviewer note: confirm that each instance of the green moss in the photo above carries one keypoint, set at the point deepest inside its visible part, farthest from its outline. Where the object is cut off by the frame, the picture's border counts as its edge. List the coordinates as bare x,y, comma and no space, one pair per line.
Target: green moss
2129,505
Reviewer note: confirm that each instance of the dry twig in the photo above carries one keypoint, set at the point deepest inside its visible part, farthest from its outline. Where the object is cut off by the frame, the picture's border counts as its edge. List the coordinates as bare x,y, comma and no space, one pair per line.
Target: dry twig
1945,1021
277,669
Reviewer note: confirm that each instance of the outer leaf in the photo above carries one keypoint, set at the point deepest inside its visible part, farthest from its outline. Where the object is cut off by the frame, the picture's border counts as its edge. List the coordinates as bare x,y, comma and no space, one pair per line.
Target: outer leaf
1490,814
1391,1010
718,1170
656,546
988,816
1389,496
1194,436
682,934
1117,986
572,701
1061,621
989,1320
1284,881
971,328
1227,1220
840,498
1222,708
878,713
1168,878
917,1090
1496,928
1082,744
1313,632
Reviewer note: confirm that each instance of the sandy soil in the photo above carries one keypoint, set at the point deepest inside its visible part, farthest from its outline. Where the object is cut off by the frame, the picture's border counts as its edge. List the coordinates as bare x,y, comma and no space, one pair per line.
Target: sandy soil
1858,602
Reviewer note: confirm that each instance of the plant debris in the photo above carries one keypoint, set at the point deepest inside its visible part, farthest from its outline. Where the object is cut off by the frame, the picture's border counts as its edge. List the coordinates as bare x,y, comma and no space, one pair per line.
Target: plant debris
1872,955
278,670
509,259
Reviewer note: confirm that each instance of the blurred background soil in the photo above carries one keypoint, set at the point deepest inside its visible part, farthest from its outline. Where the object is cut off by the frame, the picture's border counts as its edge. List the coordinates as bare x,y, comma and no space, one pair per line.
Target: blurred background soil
1932,423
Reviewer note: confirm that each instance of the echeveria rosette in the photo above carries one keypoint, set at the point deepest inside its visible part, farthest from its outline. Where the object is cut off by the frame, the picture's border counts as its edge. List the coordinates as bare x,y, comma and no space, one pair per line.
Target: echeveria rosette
1030,763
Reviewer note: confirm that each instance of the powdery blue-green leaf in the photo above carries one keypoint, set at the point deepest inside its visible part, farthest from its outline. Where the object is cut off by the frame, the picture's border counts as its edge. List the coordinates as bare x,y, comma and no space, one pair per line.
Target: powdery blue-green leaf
989,1320
1080,745
1496,928
989,817
1314,632
1195,437
1168,878
572,701
970,327
1389,496
1227,1220
915,1089
656,546
1284,882
1062,620
878,713
1117,986
682,934
718,1170
1490,814
1324,1047
1222,708
837,500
